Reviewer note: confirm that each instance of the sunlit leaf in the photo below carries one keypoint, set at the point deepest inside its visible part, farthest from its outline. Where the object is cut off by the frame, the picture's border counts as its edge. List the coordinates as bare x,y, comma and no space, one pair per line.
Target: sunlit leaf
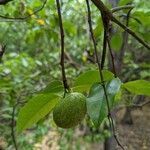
36,108
139,87
40,21
84,81
53,87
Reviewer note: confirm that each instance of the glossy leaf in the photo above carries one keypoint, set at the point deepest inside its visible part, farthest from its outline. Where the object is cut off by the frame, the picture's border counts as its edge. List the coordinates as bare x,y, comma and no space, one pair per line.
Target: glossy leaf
36,108
96,101
85,80
113,87
53,87
96,104
139,87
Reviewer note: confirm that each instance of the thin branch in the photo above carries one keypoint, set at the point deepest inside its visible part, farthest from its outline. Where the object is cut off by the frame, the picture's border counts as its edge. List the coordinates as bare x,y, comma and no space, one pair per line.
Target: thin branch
2,51
12,126
104,49
106,23
125,40
13,122
101,75
106,12
11,19
133,106
131,33
140,105
112,56
71,61
66,87
115,9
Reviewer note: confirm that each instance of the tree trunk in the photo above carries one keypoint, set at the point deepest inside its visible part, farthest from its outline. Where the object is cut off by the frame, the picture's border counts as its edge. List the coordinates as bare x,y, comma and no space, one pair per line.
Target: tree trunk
110,142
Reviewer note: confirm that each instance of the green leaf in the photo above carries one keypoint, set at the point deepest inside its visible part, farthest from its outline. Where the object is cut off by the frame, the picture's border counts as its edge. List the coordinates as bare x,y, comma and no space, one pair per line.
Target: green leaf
99,28
5,83
36,108
139,87
53,87
70,28
113,88
116,41
124,2
84,81
96,104
96,101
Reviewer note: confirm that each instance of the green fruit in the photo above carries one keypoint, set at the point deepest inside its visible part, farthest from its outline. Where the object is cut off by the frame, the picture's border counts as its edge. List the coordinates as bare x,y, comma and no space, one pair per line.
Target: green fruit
70,111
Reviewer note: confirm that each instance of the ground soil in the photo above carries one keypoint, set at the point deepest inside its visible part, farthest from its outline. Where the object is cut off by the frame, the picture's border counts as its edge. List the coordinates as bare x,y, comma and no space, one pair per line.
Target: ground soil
132,137
137,135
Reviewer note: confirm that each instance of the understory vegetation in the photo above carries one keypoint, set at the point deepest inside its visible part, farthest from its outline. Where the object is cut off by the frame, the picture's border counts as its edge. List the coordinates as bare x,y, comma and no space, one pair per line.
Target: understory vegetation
89,61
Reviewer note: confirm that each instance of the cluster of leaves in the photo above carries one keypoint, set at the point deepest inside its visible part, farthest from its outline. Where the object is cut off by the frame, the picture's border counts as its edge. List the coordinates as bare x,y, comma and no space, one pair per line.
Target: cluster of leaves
43,103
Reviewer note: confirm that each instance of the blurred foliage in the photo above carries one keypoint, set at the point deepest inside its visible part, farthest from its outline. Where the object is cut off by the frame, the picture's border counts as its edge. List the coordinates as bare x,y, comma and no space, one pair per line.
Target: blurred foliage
31,60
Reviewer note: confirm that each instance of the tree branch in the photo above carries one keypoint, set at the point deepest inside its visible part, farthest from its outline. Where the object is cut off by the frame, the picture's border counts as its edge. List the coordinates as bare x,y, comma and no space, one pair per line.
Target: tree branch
131,33
2,51
140,105
12,126
115,9
66,86
125,41
108,15
104,49
112,57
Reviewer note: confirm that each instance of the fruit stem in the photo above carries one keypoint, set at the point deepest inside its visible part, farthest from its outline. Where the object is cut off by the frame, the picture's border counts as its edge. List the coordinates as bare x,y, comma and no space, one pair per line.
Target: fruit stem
66,86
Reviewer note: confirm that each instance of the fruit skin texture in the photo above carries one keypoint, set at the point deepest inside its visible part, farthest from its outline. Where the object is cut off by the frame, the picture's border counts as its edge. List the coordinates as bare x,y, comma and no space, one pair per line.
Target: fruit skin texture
70,111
